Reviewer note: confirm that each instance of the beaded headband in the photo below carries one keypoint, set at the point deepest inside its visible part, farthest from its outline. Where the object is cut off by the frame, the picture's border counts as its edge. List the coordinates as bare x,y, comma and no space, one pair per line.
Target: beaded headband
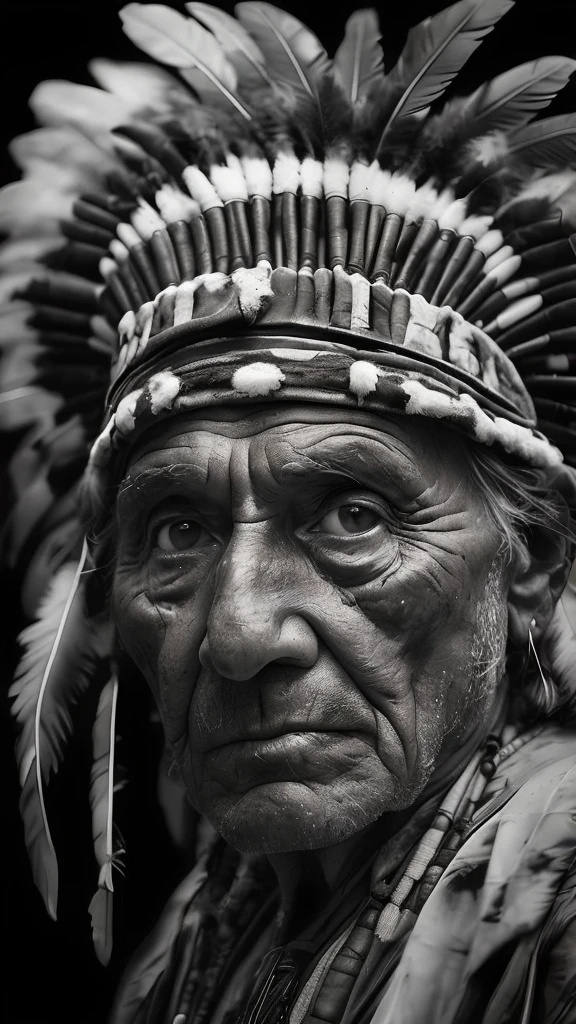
266,224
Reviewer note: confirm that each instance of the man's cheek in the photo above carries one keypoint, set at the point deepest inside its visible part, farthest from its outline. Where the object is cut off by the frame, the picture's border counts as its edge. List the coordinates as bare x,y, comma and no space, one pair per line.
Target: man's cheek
177,673
141,627
409,603
163,641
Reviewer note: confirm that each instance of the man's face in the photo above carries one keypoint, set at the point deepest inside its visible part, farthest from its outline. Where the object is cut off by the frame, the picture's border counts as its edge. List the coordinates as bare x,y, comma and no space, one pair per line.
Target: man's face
308,601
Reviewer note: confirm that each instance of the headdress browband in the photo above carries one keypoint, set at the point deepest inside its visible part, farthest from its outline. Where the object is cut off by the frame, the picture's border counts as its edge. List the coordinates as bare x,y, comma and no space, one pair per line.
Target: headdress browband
269,224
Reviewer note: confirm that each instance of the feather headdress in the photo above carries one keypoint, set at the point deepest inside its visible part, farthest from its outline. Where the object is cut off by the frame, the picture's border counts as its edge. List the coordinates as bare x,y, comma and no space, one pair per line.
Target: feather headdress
246,183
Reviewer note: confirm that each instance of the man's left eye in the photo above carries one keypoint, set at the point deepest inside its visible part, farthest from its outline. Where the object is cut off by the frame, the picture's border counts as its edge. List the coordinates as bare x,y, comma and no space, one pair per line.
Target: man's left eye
348,520
181,535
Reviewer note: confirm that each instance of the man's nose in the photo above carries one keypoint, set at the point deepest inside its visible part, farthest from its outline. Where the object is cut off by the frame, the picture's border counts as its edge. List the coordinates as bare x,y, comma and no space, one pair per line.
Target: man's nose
255,619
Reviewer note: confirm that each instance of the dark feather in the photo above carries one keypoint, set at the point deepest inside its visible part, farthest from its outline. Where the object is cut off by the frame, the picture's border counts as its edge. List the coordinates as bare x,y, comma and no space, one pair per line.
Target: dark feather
547,144
507,102
239,47
295,58
397,152
325,127
359,60
434,53
501,164
101,919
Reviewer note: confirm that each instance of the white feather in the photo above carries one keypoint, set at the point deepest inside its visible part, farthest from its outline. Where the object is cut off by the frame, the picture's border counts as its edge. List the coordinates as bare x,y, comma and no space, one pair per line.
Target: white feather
258,175
175,205
229,182
336,177
200,188
139,85
43,690
286,173
145,220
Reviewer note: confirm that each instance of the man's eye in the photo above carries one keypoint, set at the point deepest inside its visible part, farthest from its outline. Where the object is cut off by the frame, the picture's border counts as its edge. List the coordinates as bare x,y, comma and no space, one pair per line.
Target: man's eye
348,520
181,535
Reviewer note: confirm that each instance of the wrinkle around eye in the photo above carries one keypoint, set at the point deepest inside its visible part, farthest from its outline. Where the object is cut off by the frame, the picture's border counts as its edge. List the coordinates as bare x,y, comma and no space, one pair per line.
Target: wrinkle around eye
357,561
169,579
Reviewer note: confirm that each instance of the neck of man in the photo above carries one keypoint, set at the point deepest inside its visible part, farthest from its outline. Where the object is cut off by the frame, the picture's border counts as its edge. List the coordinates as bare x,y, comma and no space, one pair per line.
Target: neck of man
309,879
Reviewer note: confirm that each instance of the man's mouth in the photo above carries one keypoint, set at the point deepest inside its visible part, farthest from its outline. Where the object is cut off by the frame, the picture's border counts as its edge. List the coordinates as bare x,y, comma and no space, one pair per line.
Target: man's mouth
270,740
291,756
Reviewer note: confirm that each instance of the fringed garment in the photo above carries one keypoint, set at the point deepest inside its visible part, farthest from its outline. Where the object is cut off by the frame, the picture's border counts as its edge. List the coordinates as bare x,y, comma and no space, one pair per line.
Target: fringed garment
487,936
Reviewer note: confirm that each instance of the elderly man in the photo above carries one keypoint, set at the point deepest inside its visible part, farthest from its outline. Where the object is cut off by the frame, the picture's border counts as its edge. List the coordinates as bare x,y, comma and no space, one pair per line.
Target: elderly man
325,517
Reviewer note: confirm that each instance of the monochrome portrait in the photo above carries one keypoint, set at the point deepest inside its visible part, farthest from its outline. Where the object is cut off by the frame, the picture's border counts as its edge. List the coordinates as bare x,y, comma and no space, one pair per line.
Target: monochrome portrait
288,406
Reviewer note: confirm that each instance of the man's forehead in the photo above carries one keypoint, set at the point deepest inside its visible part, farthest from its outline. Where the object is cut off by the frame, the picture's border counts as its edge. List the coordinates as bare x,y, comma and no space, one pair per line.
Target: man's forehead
304,426
286,448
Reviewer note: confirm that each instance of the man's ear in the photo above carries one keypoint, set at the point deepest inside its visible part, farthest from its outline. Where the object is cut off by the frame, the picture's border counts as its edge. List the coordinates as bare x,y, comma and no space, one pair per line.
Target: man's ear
538,574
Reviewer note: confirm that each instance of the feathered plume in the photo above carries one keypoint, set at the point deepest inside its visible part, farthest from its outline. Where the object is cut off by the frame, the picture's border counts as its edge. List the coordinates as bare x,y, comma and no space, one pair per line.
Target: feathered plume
101,800
238,46
181,42
27,209
60,649
62,158
306,93
508,102
548,145
142,86
295,58
358,60
434,53
91,111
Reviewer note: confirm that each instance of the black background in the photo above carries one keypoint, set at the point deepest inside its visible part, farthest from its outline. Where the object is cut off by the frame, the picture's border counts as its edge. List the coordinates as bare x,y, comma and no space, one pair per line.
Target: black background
49,971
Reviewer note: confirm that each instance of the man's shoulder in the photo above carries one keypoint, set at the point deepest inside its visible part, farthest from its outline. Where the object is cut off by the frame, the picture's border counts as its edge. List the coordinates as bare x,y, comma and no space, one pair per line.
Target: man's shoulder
533,768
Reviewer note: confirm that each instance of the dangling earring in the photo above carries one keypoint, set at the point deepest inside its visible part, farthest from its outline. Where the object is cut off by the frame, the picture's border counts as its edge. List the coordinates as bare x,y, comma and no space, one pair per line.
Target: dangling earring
549,697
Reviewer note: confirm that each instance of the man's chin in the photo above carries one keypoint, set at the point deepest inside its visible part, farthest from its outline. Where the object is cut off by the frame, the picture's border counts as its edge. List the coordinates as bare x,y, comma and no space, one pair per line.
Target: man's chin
285,817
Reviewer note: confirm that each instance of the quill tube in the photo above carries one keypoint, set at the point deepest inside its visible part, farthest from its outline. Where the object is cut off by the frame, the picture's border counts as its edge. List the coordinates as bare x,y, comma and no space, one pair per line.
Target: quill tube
436,261
336,233
359,219
260,210
180,234
216,223
310,224
386,248
427,233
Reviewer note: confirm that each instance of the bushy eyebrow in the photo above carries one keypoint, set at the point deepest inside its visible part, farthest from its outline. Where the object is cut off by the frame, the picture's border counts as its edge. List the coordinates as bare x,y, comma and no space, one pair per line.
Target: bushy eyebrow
290,463
151,483
357,458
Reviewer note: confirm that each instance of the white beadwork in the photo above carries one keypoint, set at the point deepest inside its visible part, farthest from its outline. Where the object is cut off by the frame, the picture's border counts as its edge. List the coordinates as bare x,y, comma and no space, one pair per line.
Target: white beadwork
257,379
162,388
363,379
124,420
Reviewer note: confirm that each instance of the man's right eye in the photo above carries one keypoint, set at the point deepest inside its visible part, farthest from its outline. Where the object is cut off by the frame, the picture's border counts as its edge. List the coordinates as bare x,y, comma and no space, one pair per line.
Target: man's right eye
182,535
348,520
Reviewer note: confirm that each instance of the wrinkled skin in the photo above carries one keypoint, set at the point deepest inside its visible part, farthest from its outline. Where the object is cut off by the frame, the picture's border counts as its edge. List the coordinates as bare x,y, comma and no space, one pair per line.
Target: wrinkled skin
305,598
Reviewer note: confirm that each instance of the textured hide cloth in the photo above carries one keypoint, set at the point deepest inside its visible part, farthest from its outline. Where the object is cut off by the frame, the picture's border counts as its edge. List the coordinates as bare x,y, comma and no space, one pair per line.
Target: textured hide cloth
510,889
